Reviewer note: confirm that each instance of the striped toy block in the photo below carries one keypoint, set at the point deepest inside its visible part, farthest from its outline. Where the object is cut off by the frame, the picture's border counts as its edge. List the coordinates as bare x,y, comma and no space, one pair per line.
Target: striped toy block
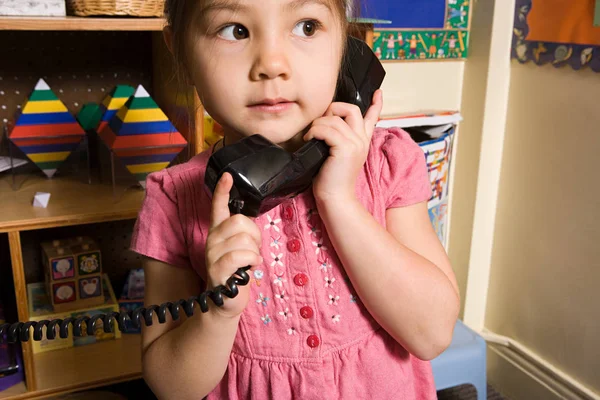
44,130
141,135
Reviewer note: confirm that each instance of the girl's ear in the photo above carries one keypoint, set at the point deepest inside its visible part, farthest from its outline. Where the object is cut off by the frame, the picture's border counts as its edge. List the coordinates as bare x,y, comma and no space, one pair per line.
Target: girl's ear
168,38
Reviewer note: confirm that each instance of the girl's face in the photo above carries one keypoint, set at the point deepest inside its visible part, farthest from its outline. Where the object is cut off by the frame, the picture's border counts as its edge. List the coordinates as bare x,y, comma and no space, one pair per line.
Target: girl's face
265,66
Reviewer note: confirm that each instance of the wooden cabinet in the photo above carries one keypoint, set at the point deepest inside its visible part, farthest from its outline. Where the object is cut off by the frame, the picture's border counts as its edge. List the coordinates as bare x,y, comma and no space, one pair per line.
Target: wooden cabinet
74,203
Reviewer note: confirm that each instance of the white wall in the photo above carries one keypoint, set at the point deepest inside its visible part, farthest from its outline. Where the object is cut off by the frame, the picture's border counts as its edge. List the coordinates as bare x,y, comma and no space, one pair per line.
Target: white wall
419,85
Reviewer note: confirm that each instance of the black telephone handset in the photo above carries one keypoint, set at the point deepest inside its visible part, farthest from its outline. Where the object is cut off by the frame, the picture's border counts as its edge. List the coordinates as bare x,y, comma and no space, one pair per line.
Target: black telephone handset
264,174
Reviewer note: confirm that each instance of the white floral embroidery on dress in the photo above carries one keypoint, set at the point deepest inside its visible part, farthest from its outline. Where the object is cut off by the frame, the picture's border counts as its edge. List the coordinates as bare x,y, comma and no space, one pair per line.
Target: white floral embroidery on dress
266,319
285,313
335,318
292,331
333,300
281,296
277,259
325,265
329,281
272,223
314,230
319,246
352,298
279,281
275,243
262,299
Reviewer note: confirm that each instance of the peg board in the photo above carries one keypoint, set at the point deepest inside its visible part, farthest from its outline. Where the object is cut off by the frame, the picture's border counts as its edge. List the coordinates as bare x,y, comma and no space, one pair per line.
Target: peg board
79,66
114,239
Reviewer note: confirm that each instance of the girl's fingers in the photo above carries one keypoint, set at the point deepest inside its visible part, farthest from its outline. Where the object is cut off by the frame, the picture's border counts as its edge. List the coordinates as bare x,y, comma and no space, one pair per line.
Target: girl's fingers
350,113
240,241
327,133
220,201
373,113
231,261
338,124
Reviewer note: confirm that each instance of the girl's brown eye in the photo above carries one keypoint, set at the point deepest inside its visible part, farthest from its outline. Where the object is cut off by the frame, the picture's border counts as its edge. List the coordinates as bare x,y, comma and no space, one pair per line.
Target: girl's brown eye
234,32
309,28
306,28
239,32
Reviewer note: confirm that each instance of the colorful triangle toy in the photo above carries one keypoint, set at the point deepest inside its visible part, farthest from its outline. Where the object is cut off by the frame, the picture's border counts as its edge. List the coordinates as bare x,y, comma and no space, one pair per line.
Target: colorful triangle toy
45,130
141,136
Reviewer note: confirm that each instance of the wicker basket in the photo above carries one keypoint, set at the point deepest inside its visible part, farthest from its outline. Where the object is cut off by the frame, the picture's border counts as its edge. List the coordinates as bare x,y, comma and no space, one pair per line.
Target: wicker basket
137,8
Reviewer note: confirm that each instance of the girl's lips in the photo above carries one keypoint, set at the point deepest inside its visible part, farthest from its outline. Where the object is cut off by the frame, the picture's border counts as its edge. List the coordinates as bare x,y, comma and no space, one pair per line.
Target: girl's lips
272,107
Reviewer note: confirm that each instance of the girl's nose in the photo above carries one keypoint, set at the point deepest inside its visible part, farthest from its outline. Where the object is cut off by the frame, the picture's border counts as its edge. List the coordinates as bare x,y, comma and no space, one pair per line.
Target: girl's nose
270,61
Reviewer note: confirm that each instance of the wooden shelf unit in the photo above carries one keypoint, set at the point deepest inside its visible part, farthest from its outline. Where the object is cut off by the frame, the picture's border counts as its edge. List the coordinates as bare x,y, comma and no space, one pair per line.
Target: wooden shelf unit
66,206
74,202
66,370
60,372
80,24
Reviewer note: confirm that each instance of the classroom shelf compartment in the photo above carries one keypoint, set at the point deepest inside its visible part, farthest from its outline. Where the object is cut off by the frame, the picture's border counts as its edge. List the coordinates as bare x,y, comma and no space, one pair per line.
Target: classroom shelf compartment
72,202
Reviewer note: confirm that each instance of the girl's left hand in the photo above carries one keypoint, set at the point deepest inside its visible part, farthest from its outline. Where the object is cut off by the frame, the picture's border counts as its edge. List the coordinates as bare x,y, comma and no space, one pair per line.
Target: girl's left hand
348,134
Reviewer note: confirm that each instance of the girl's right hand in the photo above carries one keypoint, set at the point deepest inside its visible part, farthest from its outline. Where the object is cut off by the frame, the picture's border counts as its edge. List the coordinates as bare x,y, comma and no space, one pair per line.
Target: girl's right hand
233,242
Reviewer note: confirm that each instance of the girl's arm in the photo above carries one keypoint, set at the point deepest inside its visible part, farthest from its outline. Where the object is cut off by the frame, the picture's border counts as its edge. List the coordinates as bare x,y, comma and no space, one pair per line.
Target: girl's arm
185,359
402,274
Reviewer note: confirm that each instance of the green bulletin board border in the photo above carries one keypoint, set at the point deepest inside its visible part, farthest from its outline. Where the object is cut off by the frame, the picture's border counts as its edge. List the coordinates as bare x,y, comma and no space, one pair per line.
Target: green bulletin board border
451,42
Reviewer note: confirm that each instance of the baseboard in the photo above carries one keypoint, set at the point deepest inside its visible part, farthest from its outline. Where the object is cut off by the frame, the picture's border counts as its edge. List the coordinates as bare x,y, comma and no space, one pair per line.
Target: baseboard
520,378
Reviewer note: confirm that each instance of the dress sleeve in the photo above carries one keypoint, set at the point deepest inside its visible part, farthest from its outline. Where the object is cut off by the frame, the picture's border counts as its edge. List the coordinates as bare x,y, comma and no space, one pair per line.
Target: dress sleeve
158,232
404,176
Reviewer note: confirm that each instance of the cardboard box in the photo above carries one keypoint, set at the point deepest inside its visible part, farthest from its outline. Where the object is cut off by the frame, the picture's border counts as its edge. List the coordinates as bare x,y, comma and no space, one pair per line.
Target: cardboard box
40,308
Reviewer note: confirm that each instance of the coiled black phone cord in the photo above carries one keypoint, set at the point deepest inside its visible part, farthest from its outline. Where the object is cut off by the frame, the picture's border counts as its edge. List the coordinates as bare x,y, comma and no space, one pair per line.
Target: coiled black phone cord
19,331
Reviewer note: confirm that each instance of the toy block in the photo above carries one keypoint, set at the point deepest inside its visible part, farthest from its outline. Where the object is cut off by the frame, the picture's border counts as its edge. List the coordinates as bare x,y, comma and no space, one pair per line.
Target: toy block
41,199
141,135
73,273
45,130
113,102
40,308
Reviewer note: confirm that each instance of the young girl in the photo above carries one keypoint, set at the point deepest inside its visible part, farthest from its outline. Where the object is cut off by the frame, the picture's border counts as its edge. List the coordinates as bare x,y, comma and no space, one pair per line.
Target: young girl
351,292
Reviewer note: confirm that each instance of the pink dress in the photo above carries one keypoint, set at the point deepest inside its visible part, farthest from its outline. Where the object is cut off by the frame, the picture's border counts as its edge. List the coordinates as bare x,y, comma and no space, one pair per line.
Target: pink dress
304,334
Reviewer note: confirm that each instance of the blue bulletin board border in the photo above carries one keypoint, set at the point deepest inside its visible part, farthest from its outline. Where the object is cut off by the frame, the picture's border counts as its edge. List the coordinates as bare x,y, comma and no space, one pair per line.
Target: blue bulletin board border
577,56
450,42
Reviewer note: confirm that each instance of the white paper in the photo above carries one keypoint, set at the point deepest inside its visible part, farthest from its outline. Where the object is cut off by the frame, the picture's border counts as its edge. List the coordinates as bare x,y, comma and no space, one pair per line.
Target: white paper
5,163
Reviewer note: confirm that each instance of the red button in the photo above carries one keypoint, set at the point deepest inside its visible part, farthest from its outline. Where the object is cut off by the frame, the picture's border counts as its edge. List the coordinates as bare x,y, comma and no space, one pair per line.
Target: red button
300,279
288,213
312,341
293,245
306,312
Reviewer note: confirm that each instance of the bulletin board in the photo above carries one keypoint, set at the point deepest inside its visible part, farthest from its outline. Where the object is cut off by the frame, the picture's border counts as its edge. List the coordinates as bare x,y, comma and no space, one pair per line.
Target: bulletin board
420,29
557,32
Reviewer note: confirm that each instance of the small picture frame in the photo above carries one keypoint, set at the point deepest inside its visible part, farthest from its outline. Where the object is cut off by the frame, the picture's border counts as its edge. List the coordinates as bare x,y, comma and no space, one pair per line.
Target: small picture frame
64,292
89,263
63,268
90,287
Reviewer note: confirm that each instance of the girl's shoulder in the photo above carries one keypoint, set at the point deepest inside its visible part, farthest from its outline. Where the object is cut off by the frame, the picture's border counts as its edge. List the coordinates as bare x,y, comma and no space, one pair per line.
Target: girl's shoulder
398,164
